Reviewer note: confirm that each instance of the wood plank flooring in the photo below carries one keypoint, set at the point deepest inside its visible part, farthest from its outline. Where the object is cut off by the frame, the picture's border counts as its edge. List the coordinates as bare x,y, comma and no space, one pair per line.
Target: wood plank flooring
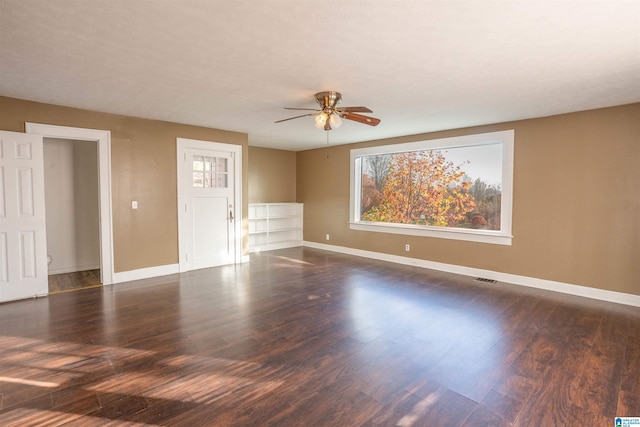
73,281
303,337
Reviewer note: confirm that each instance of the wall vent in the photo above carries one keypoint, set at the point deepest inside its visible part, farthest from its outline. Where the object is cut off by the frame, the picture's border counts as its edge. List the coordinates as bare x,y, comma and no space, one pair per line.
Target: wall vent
484,280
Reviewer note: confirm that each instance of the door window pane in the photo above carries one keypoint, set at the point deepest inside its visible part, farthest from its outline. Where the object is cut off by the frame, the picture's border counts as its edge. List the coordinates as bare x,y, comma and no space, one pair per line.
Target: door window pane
222,180
210,172
221,164
198,163
198,179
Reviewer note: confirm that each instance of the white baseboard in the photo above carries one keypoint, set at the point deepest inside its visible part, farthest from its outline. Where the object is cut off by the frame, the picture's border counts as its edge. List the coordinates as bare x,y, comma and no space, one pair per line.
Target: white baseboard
245,259
532,282
146,273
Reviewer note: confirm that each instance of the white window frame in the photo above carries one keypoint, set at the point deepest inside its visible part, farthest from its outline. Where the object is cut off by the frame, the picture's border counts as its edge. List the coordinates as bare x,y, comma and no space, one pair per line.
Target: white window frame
499,237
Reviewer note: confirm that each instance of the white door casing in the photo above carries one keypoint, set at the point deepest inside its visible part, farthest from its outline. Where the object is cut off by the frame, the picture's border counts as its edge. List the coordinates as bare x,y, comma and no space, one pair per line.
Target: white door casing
103,138
23,234
209,207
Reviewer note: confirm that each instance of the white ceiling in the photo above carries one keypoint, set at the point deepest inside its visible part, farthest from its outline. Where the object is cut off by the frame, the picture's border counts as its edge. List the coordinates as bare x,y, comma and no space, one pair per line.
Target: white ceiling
419,65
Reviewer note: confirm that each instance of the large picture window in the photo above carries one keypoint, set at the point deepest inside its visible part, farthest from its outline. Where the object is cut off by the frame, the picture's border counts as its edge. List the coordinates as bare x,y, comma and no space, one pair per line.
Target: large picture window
454,188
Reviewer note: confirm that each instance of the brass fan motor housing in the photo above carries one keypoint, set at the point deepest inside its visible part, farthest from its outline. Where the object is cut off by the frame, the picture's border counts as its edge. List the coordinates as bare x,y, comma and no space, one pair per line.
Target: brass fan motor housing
328,99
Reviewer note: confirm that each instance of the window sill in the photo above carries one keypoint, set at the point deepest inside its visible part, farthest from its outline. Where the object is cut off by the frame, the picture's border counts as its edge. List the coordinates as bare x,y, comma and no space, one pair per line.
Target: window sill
480,236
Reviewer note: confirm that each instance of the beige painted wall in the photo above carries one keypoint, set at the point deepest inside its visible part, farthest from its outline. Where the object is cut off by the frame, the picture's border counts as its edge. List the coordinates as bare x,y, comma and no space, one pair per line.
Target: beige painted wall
576,207
143,168
272,175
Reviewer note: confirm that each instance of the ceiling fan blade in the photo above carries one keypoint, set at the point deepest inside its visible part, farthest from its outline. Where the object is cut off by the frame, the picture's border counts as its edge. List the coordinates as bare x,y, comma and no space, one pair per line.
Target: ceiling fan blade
354,109
301,109
371,121
296,117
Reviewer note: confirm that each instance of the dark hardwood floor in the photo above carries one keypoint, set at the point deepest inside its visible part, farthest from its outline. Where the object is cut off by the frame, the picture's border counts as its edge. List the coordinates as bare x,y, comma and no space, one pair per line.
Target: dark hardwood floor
303,337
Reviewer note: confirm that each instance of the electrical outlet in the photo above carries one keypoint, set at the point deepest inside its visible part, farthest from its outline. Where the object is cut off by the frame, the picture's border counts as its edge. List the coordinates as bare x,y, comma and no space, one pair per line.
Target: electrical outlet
326,237
134,204
407,247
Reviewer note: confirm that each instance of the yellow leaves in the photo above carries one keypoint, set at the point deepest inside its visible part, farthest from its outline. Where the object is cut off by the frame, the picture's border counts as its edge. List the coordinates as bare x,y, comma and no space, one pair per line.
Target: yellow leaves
422,187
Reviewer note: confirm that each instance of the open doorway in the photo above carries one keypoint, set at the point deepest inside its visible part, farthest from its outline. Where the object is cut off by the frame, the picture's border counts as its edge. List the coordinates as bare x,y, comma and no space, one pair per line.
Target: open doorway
101,138
72,213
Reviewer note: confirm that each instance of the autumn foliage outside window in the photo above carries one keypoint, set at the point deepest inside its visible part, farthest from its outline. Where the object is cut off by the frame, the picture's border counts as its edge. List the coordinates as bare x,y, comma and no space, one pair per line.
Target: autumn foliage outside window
433,188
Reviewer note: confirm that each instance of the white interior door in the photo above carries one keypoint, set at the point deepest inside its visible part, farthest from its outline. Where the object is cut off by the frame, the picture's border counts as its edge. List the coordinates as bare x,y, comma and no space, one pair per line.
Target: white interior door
207,206
23,237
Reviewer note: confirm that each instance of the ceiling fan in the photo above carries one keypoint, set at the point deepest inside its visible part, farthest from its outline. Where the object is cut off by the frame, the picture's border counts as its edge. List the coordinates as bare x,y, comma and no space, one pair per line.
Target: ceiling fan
329,116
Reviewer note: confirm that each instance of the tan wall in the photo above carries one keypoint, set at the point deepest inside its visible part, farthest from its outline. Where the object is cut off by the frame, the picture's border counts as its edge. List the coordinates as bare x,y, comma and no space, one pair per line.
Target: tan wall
576,204
272,175
143,168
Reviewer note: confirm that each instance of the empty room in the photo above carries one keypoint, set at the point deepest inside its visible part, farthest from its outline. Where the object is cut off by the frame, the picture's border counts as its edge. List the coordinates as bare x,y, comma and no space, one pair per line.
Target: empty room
338,213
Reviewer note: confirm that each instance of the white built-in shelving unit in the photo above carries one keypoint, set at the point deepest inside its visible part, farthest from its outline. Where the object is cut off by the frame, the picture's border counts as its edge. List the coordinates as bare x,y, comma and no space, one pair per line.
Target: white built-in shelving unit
274,226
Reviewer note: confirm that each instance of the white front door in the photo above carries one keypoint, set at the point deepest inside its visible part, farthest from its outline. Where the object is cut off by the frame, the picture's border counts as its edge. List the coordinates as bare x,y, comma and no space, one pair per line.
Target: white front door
23,236
206,205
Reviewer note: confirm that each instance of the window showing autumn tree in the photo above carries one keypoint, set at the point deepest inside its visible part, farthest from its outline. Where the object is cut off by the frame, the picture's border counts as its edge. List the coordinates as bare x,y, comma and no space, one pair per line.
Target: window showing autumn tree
455,185
421,187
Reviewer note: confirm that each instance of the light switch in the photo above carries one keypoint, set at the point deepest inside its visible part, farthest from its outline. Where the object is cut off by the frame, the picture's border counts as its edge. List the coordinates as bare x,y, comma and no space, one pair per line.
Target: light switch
134,204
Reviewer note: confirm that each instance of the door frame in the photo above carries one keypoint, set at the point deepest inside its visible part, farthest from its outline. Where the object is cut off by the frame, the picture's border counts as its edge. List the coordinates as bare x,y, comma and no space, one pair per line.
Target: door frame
182,145
103,138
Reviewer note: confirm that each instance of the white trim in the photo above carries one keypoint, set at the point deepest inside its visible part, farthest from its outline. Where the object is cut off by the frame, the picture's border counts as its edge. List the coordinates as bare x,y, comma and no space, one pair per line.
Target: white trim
502,237
146,273
103,138
532,282
481,236
246,258
182,144
74,269
34,296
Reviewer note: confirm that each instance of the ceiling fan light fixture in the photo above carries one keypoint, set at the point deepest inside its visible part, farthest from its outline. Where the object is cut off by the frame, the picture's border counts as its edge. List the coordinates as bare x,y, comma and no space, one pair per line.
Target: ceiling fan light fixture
329,115
335,120
321,120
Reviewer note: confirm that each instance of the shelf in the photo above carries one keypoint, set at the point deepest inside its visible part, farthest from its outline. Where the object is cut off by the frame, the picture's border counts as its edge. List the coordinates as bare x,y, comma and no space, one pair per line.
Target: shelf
278,230
274,226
